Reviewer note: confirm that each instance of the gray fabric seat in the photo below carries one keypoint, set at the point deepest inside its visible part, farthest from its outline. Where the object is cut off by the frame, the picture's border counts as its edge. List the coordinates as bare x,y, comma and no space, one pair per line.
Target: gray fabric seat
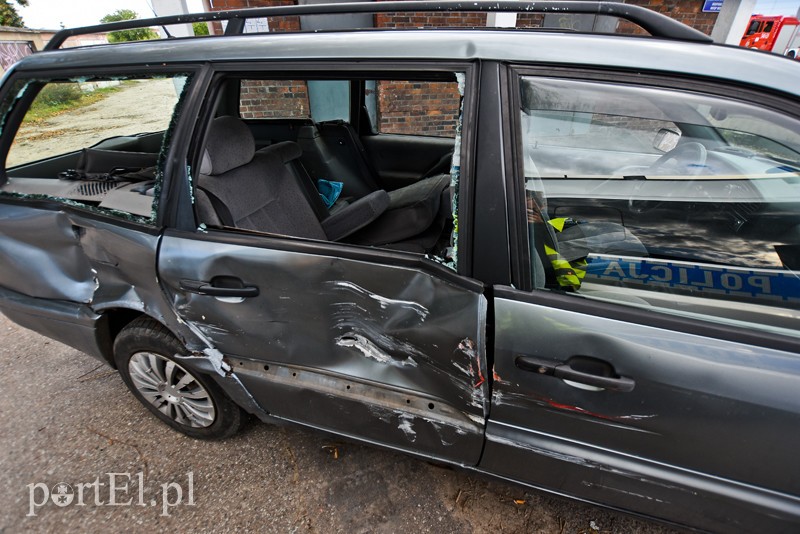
415,217
259,191
412,211
332,150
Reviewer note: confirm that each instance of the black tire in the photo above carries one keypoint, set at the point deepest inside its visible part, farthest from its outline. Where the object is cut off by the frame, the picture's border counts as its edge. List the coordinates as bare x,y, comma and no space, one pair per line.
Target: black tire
189,402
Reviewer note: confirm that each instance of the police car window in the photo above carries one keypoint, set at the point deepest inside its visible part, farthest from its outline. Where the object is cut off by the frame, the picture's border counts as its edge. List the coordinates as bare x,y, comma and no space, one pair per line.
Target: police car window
674,201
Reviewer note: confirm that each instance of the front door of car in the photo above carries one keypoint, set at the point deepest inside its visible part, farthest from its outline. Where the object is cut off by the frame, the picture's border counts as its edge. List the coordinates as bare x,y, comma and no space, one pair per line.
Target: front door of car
651,367
380,346
590,400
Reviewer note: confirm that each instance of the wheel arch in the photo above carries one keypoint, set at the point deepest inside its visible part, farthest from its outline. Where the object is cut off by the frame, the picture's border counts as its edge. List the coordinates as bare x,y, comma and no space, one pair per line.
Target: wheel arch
111,323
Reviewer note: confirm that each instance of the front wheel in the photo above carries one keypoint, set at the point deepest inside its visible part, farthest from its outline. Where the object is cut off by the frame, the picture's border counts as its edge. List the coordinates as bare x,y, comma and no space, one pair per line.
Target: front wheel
187,401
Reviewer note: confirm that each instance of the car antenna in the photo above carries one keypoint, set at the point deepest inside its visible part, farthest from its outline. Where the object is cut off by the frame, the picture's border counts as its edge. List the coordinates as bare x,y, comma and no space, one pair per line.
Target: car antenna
163,27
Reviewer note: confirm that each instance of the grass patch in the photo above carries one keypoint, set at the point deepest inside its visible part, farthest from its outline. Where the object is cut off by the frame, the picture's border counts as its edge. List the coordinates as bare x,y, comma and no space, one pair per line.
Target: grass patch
56,98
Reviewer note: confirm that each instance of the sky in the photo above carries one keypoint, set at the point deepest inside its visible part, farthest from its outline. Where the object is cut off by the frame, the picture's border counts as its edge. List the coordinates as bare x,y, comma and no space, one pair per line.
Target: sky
777,7
51,14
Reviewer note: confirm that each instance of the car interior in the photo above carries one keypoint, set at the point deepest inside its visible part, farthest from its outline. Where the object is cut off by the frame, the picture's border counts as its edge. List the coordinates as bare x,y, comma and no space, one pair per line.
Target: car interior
392,187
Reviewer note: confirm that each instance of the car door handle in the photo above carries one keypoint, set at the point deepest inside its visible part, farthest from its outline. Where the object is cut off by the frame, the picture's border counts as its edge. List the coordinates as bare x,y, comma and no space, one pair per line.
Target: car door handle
566,371
220,286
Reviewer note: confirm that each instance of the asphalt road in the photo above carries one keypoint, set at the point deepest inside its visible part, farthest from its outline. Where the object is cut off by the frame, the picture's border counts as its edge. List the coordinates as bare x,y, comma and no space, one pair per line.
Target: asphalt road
65,418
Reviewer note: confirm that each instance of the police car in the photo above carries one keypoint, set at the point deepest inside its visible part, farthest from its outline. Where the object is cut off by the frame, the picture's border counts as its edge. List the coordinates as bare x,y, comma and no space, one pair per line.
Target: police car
566,260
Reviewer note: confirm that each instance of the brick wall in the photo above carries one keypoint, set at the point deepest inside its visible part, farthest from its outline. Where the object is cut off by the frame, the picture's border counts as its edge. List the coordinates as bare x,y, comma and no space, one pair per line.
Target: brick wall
422,108
529,20
687,11
274,99
430,20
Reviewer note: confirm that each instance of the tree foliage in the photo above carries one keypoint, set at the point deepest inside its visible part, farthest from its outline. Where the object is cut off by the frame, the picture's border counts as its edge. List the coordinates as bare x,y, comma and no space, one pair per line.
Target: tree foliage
9,15
200,28
135,34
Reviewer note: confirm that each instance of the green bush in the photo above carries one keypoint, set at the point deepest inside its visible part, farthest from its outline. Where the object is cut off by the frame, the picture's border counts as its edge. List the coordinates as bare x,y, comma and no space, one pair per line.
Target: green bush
200,28
59,94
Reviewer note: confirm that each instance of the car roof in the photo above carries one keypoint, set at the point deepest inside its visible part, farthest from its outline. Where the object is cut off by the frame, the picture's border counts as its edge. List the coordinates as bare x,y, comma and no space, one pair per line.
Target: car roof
646,54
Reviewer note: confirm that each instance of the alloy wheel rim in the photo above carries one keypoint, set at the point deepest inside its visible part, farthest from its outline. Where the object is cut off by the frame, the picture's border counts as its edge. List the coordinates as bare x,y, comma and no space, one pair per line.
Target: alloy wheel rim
173,391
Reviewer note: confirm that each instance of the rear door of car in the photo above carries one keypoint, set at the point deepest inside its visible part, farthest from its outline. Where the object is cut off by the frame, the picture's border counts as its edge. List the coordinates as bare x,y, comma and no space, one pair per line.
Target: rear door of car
372,345
657,370
376,344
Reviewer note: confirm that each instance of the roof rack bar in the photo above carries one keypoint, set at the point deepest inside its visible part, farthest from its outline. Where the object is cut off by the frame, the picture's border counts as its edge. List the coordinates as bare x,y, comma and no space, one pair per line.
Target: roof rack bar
656,24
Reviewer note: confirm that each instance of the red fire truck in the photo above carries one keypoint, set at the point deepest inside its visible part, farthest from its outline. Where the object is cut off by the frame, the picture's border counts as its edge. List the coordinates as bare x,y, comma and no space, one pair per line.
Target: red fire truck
777,34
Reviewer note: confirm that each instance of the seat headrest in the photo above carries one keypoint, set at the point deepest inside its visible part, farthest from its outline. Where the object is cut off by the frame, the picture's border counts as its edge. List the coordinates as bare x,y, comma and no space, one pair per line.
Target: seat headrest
229,144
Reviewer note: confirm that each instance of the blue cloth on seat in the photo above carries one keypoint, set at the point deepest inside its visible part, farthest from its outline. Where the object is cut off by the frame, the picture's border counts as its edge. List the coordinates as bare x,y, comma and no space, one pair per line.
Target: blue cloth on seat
329,191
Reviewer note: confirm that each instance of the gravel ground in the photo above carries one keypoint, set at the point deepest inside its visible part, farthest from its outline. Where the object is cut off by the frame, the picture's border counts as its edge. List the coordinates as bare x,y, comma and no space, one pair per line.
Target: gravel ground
66,418
139,106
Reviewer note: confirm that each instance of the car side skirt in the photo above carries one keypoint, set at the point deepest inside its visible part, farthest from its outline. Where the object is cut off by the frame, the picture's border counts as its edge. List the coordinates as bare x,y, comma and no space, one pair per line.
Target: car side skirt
629,483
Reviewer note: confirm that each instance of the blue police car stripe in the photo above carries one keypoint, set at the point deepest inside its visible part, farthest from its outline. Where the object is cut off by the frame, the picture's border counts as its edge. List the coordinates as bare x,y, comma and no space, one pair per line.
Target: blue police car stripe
781,285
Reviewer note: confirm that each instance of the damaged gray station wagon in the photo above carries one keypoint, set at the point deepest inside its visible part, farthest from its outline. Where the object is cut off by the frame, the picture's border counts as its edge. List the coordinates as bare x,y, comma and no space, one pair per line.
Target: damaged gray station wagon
567,260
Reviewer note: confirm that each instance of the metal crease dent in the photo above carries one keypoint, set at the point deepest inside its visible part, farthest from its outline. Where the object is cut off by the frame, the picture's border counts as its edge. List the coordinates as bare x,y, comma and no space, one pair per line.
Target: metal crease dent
384,302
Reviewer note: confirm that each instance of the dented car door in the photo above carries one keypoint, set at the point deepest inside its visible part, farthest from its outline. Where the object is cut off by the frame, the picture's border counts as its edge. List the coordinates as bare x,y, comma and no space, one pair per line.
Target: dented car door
358,343
594,405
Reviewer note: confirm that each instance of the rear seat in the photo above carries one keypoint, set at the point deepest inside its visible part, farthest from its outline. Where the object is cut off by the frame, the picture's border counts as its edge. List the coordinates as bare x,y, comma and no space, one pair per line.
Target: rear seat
416,216
242,188
413,221
269,190
333,151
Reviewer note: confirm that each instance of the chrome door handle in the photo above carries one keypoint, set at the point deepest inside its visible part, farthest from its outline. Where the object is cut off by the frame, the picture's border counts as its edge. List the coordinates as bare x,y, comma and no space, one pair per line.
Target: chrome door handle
567,372
213,289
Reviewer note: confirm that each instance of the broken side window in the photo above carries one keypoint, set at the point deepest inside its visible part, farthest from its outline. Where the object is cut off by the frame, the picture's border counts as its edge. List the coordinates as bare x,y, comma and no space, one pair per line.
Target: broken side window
93,142
325,160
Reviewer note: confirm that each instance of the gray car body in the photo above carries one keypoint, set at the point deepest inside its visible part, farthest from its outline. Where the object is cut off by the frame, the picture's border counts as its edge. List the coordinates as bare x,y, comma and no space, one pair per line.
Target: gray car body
395,350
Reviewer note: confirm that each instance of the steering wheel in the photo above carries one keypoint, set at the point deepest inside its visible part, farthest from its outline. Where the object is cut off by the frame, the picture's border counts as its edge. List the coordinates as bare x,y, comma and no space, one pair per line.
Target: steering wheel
689,158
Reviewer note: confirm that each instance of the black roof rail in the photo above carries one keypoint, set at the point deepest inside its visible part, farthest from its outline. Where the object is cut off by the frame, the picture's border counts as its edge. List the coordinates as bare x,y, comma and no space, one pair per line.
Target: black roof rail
656,24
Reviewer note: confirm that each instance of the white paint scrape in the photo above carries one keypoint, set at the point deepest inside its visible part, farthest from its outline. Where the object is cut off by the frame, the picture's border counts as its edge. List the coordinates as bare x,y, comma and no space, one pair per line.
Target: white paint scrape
215,357
385,302
406,425
372,351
